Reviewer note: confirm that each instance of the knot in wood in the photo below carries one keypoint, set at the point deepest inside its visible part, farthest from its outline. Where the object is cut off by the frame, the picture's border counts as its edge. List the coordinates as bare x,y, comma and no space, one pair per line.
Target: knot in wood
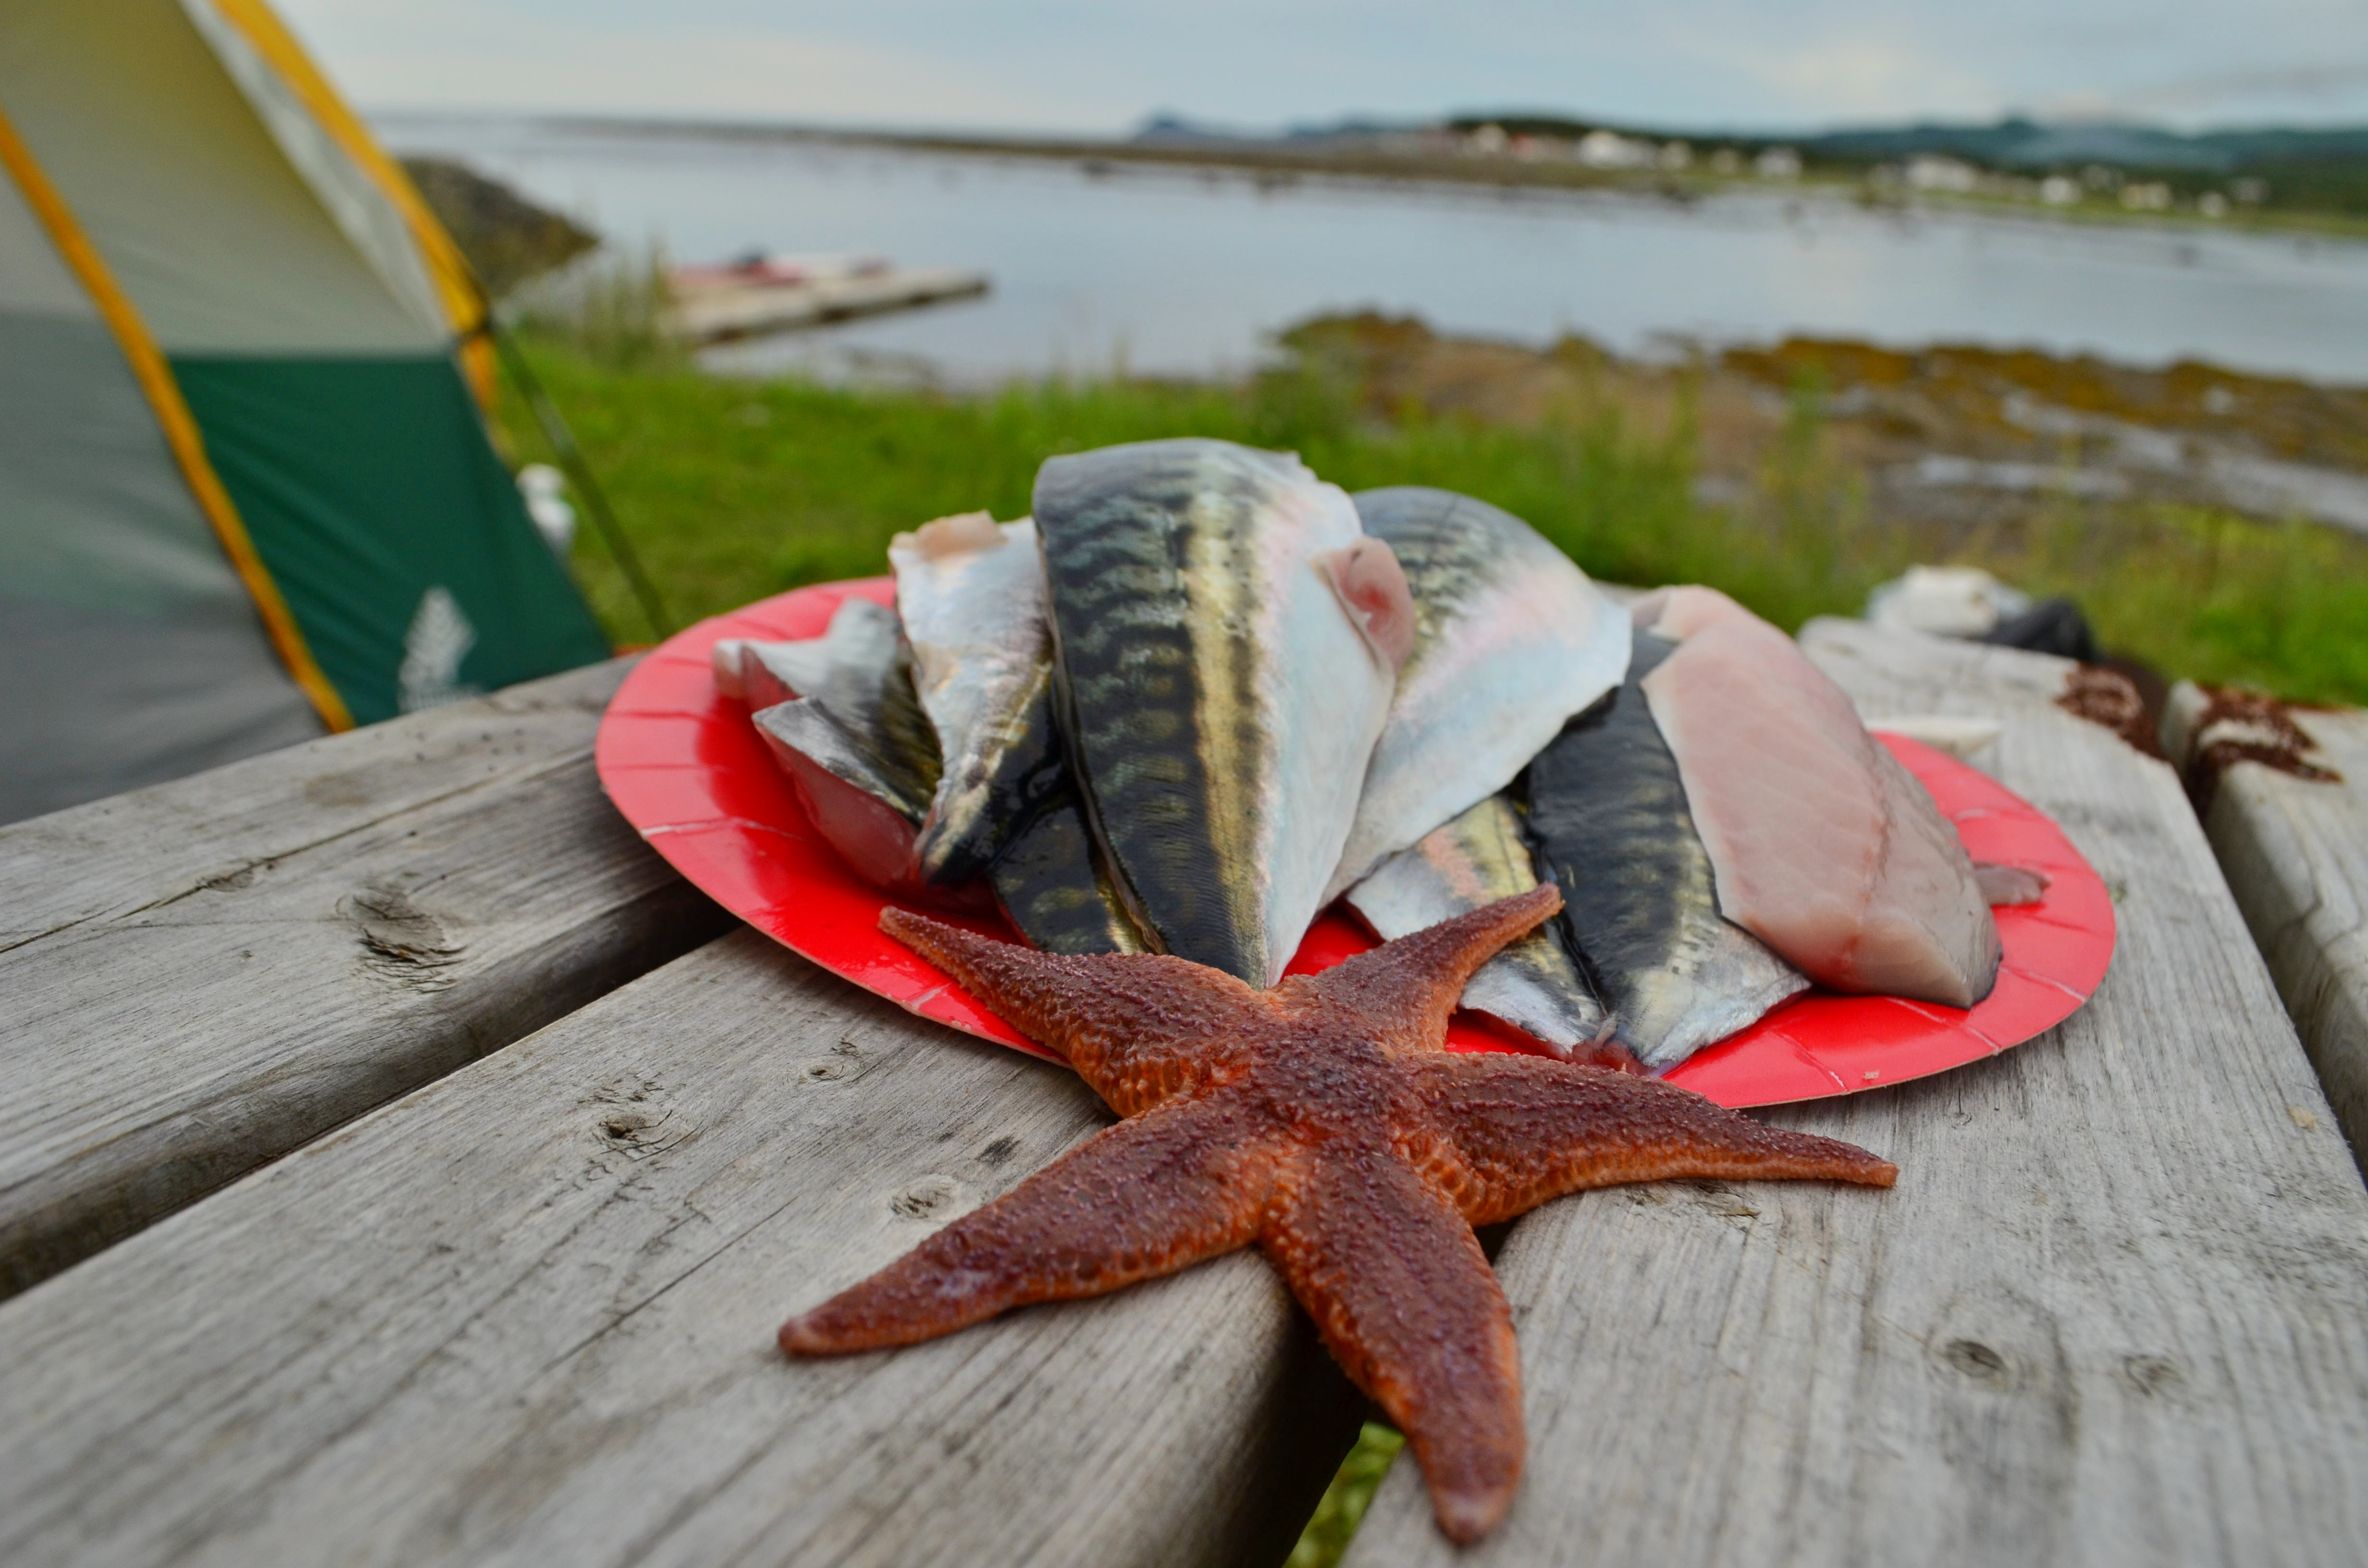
925,1196
404,942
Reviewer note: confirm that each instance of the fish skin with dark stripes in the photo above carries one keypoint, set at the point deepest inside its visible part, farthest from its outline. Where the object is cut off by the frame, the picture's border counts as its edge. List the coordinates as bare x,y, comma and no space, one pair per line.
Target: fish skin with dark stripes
1512,641
1609,818
971,594
1221,633
1533,984
1052,884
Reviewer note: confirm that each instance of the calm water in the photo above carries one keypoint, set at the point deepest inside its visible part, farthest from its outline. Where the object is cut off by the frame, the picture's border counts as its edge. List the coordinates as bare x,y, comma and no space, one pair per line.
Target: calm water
1181,272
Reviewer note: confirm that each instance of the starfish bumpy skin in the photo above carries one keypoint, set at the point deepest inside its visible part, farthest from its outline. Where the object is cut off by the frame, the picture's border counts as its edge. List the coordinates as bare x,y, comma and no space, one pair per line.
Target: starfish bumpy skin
1323,1121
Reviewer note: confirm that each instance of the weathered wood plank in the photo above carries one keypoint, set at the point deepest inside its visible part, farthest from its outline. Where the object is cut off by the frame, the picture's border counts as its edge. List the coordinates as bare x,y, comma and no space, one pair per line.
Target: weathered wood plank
527,1313
2112,1313
2295,852
204,974
150,846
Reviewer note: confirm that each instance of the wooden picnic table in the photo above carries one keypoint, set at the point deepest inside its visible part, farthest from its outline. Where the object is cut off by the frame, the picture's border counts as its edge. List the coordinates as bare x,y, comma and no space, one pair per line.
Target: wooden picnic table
415,1171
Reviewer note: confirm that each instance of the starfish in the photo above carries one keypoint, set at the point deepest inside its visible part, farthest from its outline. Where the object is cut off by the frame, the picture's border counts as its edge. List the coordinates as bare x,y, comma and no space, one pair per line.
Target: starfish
1325,1121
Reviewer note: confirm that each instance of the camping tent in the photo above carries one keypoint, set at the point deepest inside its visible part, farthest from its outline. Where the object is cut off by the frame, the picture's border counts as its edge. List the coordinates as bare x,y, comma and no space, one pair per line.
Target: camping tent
246,492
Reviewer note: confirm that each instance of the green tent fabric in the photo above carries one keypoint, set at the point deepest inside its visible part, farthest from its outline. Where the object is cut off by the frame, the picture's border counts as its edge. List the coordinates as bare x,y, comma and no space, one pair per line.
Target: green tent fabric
202,251
375,472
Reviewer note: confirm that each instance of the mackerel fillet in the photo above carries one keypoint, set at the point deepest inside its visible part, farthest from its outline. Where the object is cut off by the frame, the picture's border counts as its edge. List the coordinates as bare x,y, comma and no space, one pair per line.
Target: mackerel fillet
1610,820
839,715
1510,642
1822,844
1532,983
1221,627
971,594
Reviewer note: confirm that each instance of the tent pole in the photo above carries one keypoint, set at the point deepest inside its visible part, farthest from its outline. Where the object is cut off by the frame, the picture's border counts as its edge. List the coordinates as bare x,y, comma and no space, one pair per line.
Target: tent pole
579,473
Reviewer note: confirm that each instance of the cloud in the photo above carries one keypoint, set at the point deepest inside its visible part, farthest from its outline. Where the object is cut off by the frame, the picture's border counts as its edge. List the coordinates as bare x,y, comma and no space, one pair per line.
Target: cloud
1096,65
453,57
2336,79
1855,77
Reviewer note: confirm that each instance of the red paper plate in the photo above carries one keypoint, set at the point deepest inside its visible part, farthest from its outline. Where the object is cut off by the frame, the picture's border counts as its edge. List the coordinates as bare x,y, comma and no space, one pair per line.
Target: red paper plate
686,768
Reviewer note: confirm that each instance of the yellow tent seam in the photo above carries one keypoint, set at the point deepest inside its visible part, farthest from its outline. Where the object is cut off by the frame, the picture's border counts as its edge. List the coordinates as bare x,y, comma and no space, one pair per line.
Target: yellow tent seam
456,283
180,429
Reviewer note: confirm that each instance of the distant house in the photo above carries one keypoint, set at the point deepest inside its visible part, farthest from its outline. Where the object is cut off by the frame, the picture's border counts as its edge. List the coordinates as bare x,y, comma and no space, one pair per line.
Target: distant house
1778,163
1610,150
1930,171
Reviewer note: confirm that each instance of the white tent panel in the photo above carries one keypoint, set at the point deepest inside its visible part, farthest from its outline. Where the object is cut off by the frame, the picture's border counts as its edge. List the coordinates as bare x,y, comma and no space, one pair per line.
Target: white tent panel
188,188
34,280
346,191
134,653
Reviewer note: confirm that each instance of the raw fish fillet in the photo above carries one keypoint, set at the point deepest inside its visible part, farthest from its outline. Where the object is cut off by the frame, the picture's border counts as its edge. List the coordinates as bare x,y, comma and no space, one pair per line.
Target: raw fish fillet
1511,641
1052,885
1532,983
839,715
1822,845
844,667
1608,818
1221,627
971,598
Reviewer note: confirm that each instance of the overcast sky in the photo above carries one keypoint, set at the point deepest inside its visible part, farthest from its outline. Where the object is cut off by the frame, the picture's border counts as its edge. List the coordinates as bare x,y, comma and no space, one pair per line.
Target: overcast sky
1101,65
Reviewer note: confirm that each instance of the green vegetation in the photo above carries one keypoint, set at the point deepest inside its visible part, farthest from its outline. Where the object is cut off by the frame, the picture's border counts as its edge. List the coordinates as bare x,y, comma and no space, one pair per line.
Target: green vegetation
736,490
1345,1500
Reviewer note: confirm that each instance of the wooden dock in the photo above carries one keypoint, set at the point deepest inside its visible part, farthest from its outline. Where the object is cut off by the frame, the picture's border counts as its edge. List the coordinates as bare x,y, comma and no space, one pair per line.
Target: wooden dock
721,313
410,1170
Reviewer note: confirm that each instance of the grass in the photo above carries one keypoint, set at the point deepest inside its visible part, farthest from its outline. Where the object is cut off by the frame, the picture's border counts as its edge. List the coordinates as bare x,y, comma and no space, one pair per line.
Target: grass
734,490
1345,1500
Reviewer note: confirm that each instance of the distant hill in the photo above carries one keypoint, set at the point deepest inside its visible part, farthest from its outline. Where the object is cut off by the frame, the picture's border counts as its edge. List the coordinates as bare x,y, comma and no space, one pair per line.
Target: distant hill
2029,144
2015,142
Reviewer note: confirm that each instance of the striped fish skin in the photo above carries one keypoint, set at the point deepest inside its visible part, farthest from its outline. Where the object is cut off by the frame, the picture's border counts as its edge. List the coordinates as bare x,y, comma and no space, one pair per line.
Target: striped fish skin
971,594
1512,641
1218,696
1609,819
852,735
1471,862
1049,876
1052,887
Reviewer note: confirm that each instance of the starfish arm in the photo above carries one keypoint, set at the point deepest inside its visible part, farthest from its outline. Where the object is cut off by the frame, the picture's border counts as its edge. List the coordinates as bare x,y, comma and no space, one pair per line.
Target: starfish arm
1140,1027
1409,1306
1528,1129
1416,980
1145,1197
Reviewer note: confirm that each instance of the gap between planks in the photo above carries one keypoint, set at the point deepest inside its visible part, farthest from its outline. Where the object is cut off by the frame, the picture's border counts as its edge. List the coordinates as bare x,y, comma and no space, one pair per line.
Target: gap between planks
2295,852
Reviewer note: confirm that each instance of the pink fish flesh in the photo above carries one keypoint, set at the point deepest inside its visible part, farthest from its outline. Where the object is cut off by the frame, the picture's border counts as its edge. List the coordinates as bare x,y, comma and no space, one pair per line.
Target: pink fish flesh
1821,844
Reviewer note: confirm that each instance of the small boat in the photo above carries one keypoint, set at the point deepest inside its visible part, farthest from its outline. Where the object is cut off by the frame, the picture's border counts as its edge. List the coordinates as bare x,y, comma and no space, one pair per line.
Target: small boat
769,292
